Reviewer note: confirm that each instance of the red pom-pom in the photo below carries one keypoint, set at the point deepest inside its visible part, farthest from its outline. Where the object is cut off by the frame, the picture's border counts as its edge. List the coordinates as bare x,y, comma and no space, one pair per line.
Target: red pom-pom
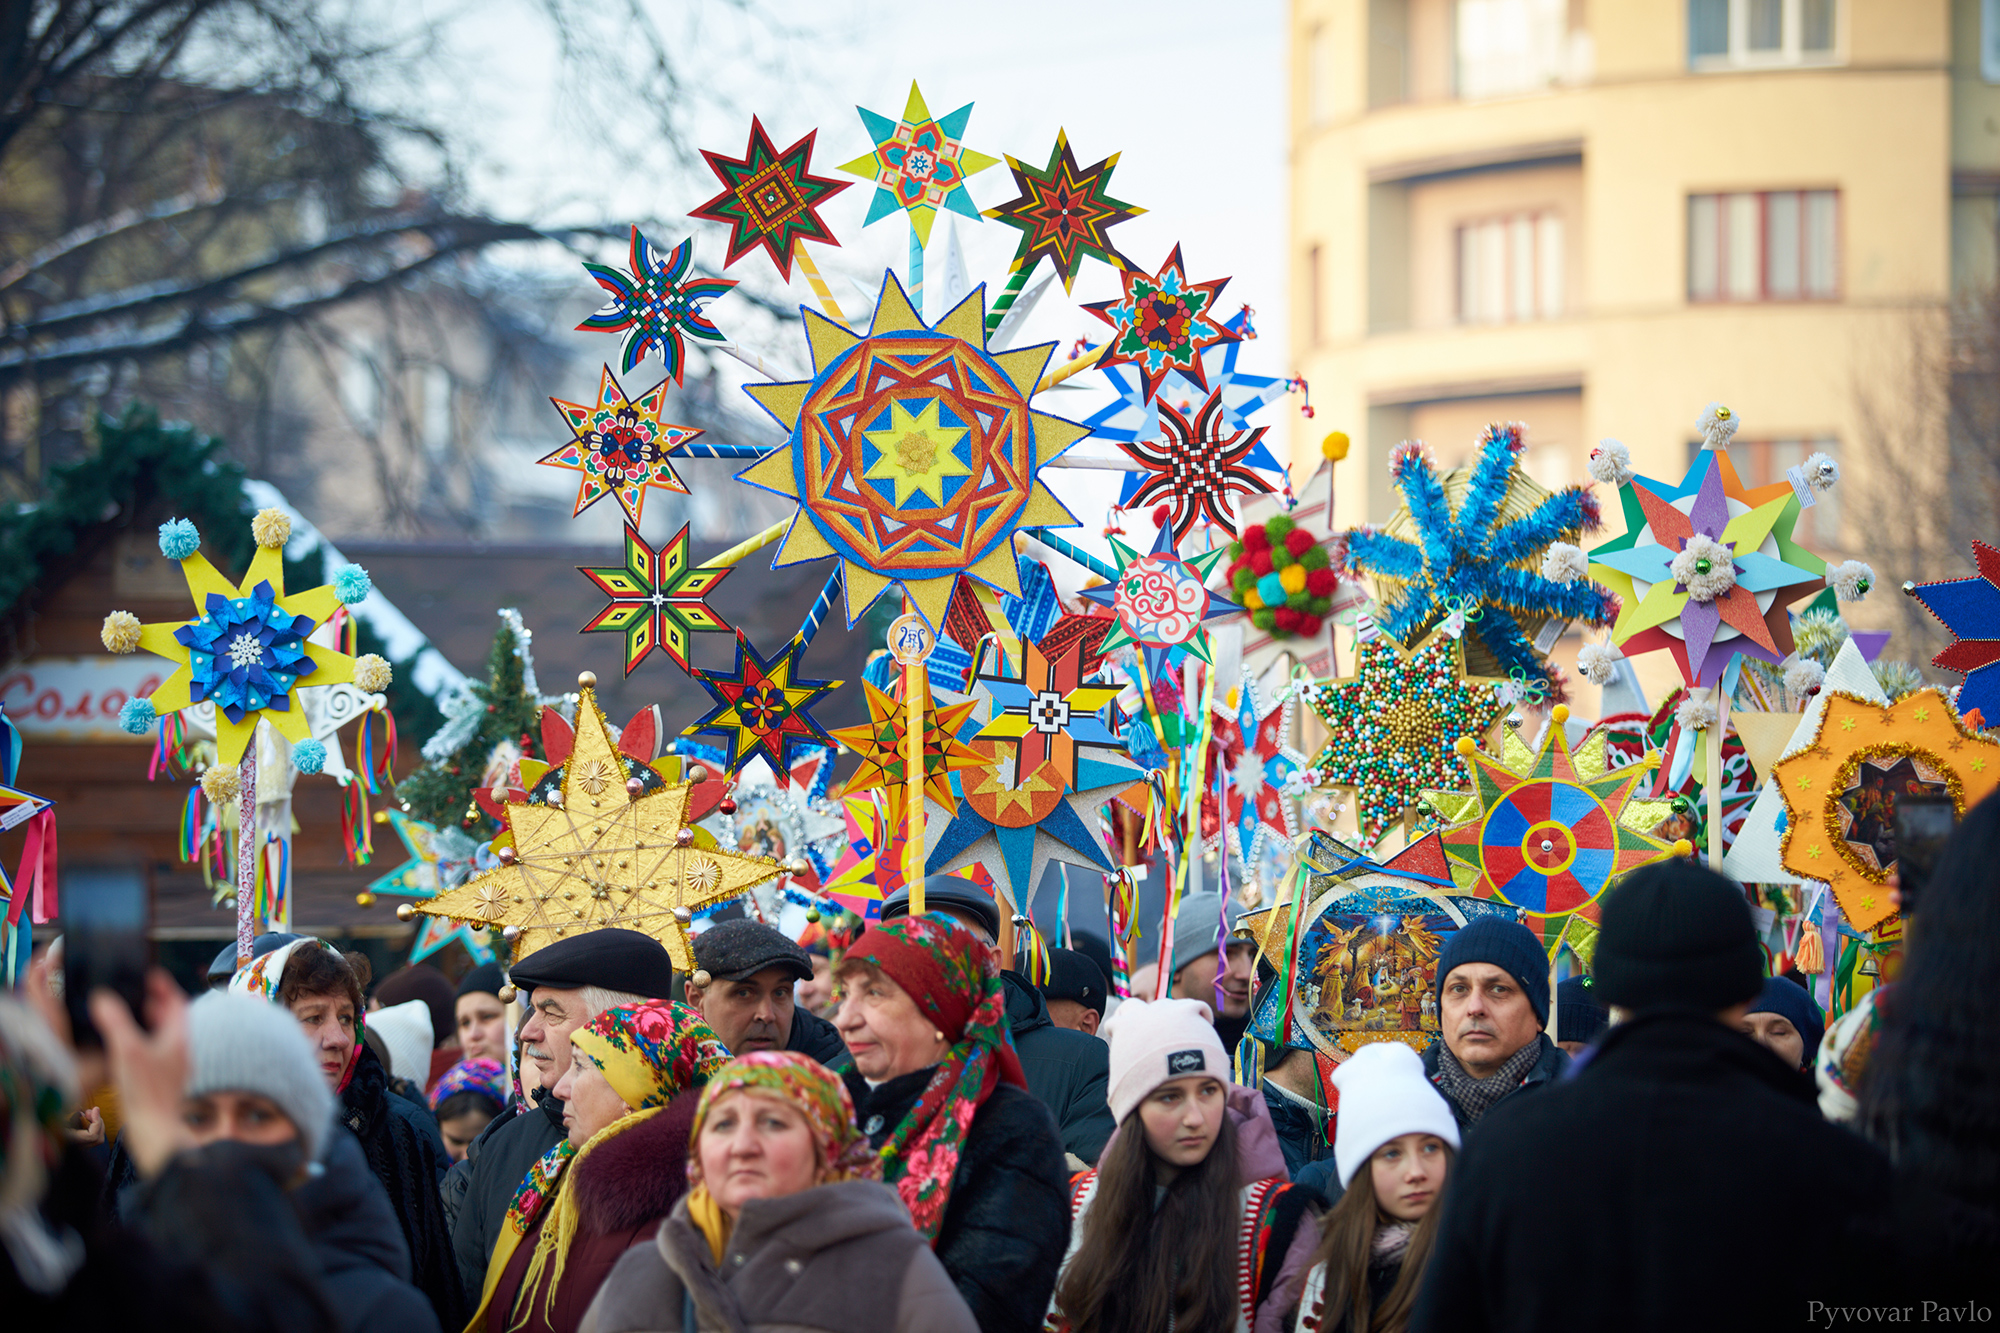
1261,562
1162,514
1311,626
1256,539
1288,620
1299,541
1321,582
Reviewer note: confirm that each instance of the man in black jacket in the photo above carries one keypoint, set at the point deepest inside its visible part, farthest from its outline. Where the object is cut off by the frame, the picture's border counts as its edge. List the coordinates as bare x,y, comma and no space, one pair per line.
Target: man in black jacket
1069,1071
567,984
1683,1132
1493,1007
747,994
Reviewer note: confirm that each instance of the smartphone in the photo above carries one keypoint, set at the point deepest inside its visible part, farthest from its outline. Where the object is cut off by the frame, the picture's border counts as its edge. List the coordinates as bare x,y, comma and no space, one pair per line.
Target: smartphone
1923,822
105,945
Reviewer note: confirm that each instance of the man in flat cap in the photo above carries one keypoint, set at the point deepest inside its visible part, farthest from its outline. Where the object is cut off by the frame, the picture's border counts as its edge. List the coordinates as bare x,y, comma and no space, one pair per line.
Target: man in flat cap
747,994
565,986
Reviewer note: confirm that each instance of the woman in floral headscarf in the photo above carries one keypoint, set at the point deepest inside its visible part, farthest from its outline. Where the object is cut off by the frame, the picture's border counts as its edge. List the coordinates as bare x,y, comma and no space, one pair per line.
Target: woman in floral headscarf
939,1092
786,1224
629,1102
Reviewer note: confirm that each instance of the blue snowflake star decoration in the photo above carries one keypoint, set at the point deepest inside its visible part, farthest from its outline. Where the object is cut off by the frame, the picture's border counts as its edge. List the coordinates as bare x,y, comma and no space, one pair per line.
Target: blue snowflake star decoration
1482,558
655,303
247,653
1970,609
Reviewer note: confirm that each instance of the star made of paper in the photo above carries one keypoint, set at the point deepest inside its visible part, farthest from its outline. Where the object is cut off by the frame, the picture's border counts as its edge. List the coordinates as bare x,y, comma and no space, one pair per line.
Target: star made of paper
1772,570
1840,790
1392,725
1014,821
1064,213
1196,466
1970,609
620,447
914,456
654,304
1262,768
611,847
1135,415
870,866
769,198
1163,323
1047,709
658,598
1550,834
919,164
1160,601
1472,541
882,742
761,707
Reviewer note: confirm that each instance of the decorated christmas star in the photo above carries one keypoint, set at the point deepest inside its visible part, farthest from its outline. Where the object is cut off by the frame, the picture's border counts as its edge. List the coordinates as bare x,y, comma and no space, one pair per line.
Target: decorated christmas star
919,165
439,859
1048,709
1136,413
620,447
1970,609
1163,323
658,598
1015,819
1471,542
770,199
1196,465
1260,808
761,707
1313,601
1064,213
882,743
655,303
1393,724
914,456
610,847
1160,602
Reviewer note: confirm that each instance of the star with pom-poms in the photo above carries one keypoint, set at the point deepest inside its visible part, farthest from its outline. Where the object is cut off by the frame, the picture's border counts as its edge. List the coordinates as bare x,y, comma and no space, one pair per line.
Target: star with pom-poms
1195,466
620,447
658,598
1163,323
769,198
655,303
919,164
883,745
1970,609
761,706
1160,601
439,859
1064,213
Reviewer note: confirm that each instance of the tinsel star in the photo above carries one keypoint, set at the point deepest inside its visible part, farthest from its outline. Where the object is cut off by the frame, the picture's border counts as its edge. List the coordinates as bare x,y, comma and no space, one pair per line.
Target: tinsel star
657,598
1160,602
1970,609
769,198
654,304
1392,725
1064,213
919,164
620,447
882,743
1196,466
1163,323
761,707
439,859
1048,709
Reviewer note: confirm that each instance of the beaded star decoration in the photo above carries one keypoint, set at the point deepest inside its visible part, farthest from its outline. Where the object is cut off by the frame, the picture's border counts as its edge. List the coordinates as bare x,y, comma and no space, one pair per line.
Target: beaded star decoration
654,304
657,598
620,447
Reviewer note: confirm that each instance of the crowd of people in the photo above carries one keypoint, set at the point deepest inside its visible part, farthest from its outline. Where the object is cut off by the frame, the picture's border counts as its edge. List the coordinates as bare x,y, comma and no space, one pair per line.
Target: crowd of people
892,1131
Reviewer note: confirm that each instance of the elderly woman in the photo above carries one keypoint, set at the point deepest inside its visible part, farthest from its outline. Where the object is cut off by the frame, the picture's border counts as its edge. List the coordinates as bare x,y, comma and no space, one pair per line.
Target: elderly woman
939,1092
629,1103
785,1226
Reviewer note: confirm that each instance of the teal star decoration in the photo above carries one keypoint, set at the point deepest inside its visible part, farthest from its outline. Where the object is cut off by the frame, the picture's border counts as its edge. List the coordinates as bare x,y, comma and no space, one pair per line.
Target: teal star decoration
1160,601
762,707
439,859
1015,824
919,164
654,303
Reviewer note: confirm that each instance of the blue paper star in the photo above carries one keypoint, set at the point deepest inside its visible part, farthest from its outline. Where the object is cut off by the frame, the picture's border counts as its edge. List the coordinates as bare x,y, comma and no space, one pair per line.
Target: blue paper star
1970,609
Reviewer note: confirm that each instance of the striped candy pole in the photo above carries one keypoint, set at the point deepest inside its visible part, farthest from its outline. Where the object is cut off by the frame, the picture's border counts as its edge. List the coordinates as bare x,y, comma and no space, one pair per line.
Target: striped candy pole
707,449
820,289
1074,552
246,854
1017,278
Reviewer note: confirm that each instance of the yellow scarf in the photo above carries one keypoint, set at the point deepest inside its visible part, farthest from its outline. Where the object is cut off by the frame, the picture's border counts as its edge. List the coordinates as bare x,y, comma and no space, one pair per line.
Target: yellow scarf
708,1218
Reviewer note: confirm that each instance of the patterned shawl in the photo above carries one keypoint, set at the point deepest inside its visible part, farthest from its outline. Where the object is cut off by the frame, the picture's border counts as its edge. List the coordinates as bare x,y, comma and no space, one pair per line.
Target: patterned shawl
478,1074
265,977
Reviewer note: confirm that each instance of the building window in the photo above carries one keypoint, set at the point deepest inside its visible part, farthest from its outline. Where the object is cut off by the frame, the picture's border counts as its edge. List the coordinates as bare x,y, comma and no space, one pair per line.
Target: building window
1766,462
1510,269
361,387
1989,40
1777,245
1509,46
1739,34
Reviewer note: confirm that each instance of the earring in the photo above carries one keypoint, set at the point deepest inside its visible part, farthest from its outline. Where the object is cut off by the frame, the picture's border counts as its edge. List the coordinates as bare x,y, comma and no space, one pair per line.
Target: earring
938,1037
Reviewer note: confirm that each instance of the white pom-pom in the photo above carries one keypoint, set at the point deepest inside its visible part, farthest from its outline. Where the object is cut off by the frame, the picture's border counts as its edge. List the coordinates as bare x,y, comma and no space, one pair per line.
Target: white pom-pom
1716,424
1804,677
272,528
1610,463
221,785
1850,580
121,632
1564,563
1703,568
1820,472
372,673
1598,662
1696,713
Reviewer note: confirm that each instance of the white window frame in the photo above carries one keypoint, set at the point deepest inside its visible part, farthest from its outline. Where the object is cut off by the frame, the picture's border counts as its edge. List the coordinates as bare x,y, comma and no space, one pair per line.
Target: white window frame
1790,54
1519,261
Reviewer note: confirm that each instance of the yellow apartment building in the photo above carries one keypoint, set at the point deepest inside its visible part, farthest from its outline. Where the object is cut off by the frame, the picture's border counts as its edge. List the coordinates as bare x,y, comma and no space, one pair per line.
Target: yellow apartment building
1596,216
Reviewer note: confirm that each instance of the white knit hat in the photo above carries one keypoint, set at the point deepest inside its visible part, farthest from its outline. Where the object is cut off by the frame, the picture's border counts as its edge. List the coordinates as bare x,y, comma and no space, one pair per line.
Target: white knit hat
238,1043
1153,1042
1384,1095
406,1030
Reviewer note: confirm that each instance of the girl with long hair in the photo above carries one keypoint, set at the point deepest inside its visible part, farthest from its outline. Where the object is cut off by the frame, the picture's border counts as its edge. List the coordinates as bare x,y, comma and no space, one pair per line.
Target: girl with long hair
1193,1173
1394,1145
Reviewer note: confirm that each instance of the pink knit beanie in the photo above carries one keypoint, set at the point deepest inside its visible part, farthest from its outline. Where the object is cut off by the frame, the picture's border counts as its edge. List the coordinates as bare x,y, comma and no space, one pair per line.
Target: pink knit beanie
1151,1043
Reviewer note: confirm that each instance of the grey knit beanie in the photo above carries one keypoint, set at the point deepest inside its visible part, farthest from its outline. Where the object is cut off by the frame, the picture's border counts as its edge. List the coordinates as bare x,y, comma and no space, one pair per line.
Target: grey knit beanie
239,1043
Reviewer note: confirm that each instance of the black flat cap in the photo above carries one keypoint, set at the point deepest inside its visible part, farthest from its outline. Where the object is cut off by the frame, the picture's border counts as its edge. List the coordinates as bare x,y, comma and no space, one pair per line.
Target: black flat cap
620,960
1073,976
486,979
733,950
955,891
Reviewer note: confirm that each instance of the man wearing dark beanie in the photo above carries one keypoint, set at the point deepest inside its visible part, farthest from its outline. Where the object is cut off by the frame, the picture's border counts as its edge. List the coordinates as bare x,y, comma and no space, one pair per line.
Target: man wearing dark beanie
1685,1130
1493,1007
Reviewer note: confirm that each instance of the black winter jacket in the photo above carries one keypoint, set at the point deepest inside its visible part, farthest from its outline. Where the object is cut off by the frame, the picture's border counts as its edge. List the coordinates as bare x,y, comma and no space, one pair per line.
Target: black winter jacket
361,1253
1679,1135
1301,1136
1069,1071
495,1165
817,1039
1548,1067
1006,1224
407,1156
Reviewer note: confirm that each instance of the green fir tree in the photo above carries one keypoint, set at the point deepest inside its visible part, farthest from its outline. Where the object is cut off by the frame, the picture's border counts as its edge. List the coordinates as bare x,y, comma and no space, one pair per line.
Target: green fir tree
489,715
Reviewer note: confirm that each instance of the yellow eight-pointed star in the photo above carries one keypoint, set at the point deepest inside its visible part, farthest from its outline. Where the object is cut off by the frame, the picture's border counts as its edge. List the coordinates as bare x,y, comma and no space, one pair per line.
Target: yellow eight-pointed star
919,452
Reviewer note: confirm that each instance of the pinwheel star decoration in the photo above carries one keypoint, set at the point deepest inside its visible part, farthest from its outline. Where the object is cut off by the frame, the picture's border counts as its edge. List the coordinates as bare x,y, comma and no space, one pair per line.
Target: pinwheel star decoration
657,599
1195,466
761,707
1970,609
1163,323
882,743
602,850
654,304
1064,213
1393,725
1160,601
914,456
919,164
769,198
620,447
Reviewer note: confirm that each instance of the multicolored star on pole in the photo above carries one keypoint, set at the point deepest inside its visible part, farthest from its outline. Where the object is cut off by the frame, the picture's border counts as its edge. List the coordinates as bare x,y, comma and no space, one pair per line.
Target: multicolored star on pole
919,164
654,303
1064,213
1970,609
620,446
1047,709
1160,601
658,598
769,198
1263,765
1196,466
914,456
883,745
1163,323
761,707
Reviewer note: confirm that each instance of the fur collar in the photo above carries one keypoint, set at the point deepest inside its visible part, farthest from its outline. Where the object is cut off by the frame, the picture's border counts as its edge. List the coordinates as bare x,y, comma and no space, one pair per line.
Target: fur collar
634,1178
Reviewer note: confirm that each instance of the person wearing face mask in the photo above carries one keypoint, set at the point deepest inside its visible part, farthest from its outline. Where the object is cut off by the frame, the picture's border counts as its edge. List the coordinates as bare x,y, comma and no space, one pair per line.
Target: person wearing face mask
1194,1169
786,1224
628,1099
